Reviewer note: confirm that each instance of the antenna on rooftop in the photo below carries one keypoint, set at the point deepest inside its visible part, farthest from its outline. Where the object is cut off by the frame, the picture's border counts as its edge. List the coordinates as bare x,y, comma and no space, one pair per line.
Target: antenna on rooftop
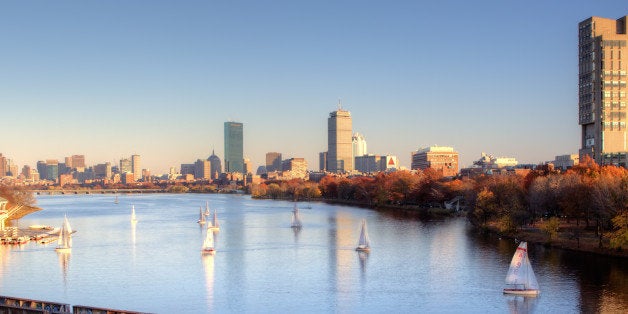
339,104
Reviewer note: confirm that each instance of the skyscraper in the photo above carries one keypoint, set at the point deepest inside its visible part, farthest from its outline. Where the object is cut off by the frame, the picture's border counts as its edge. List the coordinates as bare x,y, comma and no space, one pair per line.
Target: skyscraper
135,167
234,147
273,161
359,145
339,147
215,165
602,89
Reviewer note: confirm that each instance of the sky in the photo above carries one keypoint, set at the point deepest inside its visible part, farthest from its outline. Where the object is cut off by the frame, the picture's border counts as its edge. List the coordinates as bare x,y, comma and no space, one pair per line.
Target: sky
108,79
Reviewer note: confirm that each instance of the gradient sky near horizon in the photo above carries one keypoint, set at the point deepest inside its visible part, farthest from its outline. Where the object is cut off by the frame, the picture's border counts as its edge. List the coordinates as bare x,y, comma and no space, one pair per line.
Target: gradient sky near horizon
108,79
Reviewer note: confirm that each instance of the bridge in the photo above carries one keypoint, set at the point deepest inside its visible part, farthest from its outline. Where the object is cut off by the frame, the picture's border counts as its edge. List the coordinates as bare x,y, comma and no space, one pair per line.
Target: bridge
98,191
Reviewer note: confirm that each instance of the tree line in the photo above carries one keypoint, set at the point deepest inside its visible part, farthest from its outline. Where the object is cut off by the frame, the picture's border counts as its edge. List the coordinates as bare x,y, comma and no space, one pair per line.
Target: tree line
594,197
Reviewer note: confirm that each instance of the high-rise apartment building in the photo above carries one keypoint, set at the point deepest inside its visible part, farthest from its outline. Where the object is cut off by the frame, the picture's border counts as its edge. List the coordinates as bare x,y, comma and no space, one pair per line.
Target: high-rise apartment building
602,61
234,147
136,168
339,144
359,145
273,161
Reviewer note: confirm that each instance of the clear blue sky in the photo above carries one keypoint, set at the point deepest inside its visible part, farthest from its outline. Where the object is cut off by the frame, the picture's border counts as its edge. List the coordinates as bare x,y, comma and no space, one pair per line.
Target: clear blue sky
108,79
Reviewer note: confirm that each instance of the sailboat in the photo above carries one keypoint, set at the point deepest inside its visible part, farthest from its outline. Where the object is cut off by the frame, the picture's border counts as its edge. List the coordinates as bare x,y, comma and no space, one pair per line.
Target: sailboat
214,224
364,245
201,217
208,244
116,200
133,218
207,213
520,278
64,244
296,220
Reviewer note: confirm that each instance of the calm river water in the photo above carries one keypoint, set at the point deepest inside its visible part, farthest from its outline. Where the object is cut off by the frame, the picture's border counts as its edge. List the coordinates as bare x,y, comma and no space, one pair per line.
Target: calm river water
262,265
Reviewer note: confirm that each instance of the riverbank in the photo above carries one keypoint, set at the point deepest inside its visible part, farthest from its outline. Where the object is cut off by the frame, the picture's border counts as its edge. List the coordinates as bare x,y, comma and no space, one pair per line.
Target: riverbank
569,237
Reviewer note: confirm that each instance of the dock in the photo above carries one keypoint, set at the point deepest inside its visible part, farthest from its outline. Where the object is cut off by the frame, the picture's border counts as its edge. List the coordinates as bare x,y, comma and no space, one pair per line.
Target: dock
11,305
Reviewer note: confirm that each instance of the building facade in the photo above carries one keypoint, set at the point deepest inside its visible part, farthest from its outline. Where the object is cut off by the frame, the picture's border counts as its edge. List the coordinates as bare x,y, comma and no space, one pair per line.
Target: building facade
273,161
359,145
103,171
294,168
443,159
136,168
215,166
322,161
564,162
234,147
126,165
376,163
602,62
202,169
339,143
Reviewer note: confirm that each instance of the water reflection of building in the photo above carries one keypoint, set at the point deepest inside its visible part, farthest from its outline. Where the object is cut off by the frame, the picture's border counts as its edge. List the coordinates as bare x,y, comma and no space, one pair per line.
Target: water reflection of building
342,240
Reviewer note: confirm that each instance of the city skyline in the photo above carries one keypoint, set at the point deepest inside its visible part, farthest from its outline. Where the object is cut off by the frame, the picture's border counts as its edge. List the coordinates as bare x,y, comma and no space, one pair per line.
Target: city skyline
158,79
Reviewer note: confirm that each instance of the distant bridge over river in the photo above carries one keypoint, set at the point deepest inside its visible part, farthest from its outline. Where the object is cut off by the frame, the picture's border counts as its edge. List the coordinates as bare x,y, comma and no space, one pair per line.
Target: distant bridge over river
99,191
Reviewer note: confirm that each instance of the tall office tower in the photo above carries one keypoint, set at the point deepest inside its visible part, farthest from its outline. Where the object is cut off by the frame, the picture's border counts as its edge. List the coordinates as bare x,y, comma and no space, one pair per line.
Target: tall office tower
103,171
126,165
202,169
135,167
603,59
339,148
248,166
78,162
359,145
273,161
215,166
41,168
234,147
3,166
322,161
52,169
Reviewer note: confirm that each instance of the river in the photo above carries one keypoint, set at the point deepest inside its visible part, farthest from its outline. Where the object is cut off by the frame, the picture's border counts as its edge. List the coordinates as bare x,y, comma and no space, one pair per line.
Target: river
263,265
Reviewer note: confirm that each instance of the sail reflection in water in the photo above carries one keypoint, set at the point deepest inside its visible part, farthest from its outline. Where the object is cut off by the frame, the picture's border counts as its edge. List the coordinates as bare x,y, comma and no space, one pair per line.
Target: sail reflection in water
208,267
518,304
64,264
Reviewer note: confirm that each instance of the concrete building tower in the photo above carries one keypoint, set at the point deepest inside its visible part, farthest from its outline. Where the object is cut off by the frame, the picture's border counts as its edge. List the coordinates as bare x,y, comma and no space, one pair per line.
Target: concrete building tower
136,168
234,147
273,161
339,147
603,62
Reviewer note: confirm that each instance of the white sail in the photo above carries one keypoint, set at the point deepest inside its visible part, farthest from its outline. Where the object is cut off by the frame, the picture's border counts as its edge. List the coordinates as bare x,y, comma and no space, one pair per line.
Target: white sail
364,244
207,213
296,220
208,243
64,243
215,221
201,217
520,275
133,217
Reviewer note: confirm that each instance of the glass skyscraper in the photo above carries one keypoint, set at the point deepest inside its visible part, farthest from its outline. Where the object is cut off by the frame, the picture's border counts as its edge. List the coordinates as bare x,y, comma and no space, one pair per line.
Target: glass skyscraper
234,147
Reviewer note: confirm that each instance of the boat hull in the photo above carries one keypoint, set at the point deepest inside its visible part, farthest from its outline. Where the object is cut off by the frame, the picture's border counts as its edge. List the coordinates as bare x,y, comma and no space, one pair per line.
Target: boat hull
63,249
363,249
208,251
529,292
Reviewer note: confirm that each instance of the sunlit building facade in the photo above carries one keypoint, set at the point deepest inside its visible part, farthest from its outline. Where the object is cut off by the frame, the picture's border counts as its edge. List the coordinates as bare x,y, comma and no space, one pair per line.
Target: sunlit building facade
602,61
439,158
339,141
